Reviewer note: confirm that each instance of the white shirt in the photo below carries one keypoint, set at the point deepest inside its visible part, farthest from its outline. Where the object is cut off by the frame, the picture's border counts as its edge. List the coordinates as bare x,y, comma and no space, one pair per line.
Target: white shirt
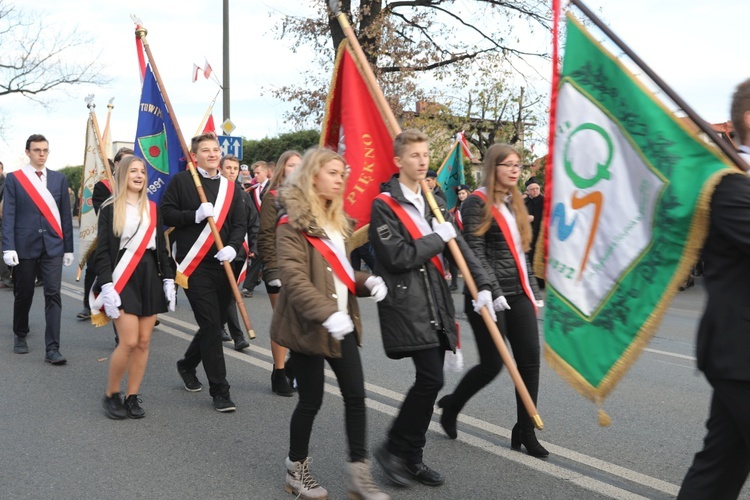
342,292
132,222
33,171
205,174
415,198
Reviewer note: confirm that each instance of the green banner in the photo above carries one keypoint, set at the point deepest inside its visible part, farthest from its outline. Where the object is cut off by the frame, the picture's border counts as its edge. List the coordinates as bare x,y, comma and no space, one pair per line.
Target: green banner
631,183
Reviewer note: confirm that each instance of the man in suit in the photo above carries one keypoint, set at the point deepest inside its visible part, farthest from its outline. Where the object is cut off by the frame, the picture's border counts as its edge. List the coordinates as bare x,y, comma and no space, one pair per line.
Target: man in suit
37,235
262,176
721,468
200,261
4,269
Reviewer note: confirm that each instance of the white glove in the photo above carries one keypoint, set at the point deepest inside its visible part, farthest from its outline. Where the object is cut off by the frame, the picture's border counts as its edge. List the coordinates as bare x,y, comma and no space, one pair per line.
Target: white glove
501,304
205,210
169,293
338,325
10,257
445,230
111,300
484,298
276,282
67,259
539,303
377,287
226,254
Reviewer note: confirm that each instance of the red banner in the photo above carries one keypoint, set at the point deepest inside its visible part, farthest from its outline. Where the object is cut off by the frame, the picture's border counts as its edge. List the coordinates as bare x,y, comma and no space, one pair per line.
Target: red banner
354,127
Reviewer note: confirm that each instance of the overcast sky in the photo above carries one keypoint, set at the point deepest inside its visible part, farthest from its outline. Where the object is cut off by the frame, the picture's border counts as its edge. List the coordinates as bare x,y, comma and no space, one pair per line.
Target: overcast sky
697,47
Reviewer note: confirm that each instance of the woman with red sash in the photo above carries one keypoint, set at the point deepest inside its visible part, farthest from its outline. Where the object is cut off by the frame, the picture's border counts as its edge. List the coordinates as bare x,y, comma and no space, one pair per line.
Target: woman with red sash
317,318
496,227
136,280
282,373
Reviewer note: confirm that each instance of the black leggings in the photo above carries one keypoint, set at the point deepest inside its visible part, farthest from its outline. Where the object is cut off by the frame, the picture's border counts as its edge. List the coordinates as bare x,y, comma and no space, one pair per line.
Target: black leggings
519,326
311,380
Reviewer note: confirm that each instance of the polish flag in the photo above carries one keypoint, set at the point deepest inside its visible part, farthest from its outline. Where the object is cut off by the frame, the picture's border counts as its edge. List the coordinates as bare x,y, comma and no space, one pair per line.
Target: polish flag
196,69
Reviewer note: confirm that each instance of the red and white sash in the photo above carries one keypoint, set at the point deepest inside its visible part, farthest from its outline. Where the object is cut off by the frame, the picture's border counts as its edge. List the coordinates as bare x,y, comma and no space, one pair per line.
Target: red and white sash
127,264
414,222
41,197
256,196
202,245
243,271
507,223
459,219
333,255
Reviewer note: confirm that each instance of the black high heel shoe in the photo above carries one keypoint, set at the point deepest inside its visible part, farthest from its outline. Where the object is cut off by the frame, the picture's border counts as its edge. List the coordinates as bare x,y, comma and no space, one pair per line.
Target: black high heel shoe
528,440
448,418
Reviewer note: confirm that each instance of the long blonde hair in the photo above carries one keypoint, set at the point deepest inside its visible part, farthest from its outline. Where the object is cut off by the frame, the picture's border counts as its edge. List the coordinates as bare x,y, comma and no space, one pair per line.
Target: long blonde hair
279,173
326,213
119,198
495,155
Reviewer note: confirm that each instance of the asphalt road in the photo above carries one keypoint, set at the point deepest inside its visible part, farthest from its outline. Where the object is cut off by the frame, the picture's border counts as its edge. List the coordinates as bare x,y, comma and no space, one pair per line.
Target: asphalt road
57,443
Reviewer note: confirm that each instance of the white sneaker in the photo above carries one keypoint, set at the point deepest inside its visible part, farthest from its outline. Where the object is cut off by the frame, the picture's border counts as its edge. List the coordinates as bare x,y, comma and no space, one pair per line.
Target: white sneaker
360,483
300,482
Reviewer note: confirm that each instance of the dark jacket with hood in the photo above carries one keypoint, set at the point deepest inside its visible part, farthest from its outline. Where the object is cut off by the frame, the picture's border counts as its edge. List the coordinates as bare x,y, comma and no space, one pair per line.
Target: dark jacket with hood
418,312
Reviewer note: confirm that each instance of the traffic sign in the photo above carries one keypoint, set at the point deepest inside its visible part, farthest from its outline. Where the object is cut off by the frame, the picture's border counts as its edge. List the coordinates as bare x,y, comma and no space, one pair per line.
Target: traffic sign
230,145
228,127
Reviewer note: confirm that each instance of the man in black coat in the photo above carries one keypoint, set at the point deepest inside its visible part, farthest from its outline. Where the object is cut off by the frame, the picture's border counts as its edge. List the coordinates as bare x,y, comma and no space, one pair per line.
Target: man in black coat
208,289
417,318
721,468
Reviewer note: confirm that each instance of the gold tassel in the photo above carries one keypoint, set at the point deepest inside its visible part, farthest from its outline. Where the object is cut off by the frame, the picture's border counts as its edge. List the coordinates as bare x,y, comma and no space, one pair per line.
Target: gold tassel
604,419
181,280
99,319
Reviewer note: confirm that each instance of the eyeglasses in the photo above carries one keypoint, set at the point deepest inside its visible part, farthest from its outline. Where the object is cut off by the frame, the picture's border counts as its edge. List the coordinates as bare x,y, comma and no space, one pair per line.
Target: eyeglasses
38,151
510,165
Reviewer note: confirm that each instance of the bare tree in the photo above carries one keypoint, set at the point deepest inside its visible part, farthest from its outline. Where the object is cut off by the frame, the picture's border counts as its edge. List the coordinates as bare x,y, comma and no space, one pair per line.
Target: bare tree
404,39
37,58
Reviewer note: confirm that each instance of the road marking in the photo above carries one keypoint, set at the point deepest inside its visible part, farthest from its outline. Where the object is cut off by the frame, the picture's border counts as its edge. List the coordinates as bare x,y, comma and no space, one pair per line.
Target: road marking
557,471
671,354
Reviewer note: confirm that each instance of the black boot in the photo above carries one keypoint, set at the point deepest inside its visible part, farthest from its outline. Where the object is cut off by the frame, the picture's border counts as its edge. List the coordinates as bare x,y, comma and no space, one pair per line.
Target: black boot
449,416
279,383
526,437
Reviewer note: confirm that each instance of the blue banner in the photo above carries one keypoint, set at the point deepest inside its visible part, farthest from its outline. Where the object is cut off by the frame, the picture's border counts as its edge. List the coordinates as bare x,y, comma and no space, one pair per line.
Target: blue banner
156,140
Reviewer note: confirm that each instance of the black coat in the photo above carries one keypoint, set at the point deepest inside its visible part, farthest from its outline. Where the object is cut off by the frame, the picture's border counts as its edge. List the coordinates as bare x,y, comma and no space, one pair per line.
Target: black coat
723,345
418,312
493,252
178,207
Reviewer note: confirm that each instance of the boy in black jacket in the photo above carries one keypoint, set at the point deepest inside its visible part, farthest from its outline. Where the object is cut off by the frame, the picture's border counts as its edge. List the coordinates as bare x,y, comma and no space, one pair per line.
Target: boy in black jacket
198,261
417,318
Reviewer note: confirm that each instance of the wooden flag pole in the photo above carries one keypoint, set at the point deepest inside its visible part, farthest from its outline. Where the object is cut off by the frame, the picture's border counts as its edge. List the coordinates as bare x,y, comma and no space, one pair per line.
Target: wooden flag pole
141,32
395,129
105,162
690,112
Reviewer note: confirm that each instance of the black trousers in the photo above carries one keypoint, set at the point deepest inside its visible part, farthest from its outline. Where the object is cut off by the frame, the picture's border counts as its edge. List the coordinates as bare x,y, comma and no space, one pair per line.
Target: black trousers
310,380
407,436
208,293
233,320
519,326
24,277
721,468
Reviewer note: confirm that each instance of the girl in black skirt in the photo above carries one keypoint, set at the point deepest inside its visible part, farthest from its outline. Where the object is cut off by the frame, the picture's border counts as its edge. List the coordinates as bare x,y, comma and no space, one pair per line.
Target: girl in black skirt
137,282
